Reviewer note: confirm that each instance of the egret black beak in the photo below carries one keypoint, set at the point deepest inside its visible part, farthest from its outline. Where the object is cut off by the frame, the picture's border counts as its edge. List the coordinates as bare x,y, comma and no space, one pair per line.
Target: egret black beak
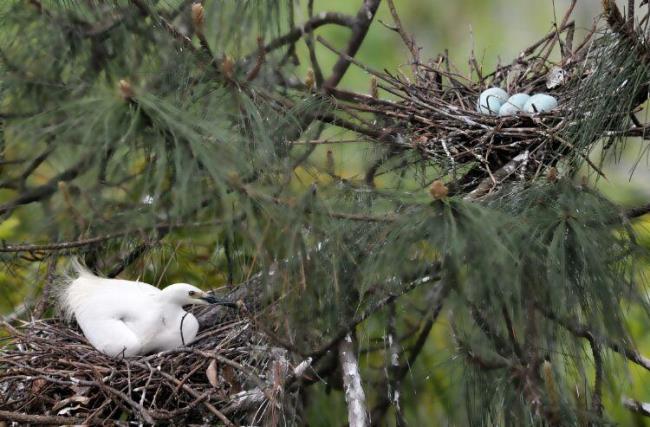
211,299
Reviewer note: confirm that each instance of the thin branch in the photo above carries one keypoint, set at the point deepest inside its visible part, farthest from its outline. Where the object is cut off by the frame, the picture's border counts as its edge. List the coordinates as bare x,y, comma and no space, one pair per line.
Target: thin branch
309,40
46,190
637,211
63,246
363,20
319,20
322,350
43,419
409,41
583,331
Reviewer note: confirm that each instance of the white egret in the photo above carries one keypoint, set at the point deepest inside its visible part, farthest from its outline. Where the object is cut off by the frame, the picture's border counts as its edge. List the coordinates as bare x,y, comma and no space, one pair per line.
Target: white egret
123,318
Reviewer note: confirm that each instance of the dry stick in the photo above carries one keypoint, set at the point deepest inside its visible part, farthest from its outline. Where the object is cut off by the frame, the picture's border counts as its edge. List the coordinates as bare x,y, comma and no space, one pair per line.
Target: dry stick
309,41
139,409
43,419
46,190
568,43
362,23
354,394
189,390
488,184
567,15
319,20
409,41
584,156
356,62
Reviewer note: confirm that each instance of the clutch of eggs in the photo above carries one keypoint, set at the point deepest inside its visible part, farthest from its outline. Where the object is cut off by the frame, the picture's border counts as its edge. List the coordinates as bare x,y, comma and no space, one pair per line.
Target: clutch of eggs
496,101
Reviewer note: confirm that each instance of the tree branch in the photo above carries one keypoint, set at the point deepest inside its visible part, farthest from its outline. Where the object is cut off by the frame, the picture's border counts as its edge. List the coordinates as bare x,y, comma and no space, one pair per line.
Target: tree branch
46,190
583,331
63,246
43,419
319,20
354,394
362,22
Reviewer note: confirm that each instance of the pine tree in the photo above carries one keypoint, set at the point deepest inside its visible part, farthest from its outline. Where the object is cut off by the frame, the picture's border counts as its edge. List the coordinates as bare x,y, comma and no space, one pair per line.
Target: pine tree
171,139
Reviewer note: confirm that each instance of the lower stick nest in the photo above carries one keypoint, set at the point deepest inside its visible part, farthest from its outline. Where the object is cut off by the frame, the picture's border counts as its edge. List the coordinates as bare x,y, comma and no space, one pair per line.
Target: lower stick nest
230,375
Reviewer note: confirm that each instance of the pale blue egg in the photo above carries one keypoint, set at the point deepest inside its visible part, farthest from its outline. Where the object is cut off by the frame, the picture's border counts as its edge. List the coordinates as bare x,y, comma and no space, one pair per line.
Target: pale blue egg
514,104
491,100
540,103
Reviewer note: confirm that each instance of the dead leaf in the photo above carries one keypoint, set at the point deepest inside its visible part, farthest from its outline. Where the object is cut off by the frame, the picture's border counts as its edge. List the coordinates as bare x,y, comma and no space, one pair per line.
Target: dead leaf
37,385
211,373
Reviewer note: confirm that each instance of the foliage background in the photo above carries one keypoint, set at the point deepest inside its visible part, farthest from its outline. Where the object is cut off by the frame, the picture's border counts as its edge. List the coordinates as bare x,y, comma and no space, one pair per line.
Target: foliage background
491,29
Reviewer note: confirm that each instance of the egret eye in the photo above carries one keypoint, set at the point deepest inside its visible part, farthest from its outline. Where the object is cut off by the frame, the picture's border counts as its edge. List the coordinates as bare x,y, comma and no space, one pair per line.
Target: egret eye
192,293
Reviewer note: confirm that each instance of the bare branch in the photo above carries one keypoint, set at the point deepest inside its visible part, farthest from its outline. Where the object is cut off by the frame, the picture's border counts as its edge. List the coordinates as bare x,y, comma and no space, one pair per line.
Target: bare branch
583,331
63,246
43,419
363,20
354,394
46,190
319,20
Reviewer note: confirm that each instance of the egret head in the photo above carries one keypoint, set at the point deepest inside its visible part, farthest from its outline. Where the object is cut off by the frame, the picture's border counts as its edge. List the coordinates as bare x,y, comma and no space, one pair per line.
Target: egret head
185,294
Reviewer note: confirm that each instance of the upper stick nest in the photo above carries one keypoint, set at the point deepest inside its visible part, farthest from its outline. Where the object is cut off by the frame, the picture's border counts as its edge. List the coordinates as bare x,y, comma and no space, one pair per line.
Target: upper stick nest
434,111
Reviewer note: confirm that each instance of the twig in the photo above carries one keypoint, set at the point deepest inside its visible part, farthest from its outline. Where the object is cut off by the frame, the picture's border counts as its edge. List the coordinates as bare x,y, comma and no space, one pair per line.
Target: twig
43,419
317,21
63,246
409,41
46,190
583,331
322,350
309,40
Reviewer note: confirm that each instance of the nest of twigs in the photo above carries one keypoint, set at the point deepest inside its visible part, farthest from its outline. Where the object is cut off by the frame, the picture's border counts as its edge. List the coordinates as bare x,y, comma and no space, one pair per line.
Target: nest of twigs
230,375
434,110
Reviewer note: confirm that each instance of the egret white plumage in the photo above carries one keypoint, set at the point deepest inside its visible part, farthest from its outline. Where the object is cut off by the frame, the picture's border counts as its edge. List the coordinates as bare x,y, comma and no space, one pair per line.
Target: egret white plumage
129,318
